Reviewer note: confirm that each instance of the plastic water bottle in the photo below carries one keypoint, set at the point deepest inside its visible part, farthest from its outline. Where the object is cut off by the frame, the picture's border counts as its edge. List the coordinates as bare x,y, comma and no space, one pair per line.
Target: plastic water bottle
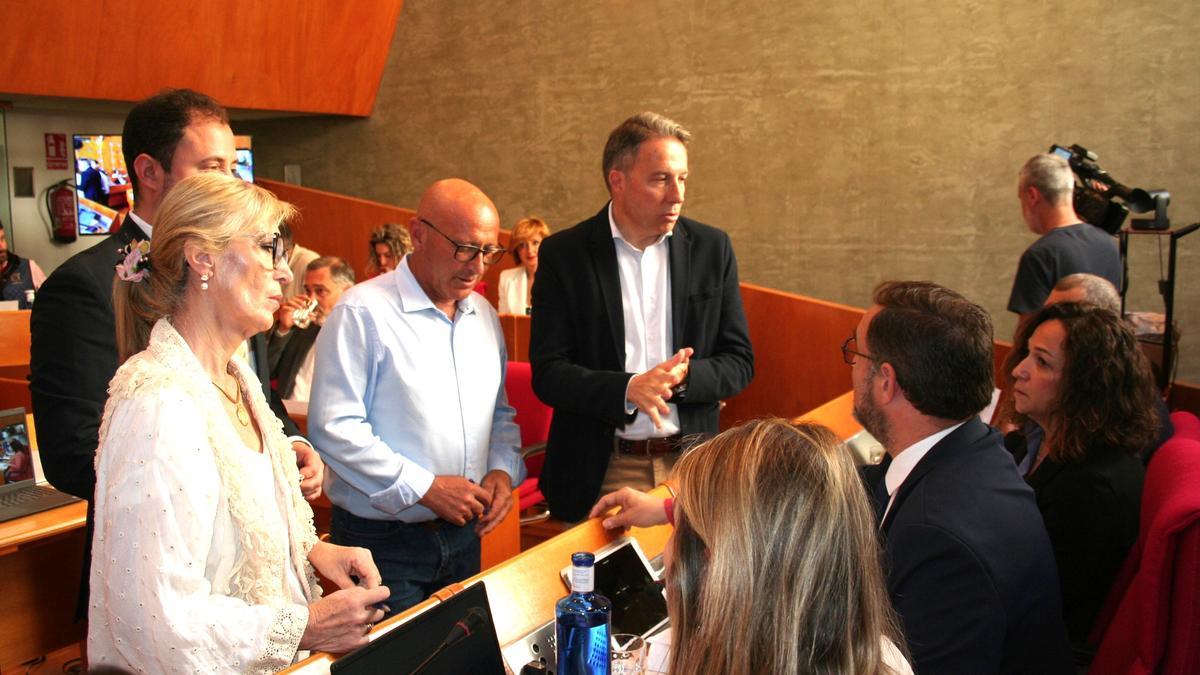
583,621
303,317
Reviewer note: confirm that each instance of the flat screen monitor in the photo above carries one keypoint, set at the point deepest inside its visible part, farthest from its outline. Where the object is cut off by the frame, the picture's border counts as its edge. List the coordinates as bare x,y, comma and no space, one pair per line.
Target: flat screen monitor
245,158
102,186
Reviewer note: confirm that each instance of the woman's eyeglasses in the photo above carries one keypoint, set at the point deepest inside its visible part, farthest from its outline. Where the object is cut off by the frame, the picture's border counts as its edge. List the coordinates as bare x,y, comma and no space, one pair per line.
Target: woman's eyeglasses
276,249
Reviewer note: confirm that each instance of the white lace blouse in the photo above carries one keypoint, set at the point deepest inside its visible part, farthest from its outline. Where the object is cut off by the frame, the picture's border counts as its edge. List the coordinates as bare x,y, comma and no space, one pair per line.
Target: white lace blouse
199,561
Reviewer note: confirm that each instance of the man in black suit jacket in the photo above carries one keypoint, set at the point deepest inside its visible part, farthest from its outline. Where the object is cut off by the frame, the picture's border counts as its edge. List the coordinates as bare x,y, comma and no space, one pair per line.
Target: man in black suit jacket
637,326
290,347
73,350
969,566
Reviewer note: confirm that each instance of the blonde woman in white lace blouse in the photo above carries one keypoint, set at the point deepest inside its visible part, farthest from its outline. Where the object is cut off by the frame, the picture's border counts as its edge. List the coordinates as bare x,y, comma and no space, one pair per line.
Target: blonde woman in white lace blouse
204,548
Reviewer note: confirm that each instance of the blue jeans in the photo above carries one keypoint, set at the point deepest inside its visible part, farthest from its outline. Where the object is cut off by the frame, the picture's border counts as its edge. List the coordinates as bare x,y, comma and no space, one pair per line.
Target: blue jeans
414,559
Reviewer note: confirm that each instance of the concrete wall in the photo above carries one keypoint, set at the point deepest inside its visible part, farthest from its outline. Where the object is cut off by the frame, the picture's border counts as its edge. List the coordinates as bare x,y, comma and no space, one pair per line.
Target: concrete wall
840,144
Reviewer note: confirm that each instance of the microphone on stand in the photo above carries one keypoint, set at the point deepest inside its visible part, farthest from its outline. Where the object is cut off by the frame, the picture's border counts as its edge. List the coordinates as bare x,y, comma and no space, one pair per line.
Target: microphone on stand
472,621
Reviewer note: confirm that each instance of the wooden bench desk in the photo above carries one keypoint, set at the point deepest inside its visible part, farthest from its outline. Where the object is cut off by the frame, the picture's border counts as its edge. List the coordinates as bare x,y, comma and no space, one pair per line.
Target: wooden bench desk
40,558
522,590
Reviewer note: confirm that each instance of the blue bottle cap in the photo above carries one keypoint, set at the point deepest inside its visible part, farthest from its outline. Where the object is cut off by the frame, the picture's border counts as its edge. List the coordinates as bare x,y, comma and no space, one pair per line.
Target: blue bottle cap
583,559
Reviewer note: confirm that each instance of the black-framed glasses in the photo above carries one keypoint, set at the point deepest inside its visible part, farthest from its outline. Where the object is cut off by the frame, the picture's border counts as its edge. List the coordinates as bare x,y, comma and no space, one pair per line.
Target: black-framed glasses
464,253
276,249
848,352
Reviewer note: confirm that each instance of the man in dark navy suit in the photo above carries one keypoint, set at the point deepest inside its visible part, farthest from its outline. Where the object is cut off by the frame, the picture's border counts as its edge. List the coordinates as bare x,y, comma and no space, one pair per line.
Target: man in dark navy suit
969,566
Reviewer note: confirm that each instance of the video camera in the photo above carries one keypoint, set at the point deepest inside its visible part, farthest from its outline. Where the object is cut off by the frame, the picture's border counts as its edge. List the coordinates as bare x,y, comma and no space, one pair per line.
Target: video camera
1096,193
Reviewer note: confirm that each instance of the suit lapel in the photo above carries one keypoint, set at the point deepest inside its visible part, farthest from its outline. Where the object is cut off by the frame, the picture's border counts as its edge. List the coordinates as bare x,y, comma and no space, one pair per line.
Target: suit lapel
604,262
258,345
969,434
679,246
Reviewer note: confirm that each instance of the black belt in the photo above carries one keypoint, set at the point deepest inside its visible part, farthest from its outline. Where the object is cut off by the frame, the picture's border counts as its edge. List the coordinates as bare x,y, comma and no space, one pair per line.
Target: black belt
650,447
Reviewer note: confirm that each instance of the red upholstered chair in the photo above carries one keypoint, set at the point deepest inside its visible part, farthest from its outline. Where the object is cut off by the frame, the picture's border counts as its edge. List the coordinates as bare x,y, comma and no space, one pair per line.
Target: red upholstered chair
1151,622
1186,425
533,417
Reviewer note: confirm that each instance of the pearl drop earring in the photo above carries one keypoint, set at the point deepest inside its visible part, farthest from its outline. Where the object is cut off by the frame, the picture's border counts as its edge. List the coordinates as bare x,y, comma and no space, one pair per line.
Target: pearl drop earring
204,282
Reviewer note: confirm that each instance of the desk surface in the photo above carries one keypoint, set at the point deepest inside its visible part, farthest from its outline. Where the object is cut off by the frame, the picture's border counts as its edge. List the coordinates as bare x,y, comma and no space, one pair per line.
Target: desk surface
39,526
837,414
522,590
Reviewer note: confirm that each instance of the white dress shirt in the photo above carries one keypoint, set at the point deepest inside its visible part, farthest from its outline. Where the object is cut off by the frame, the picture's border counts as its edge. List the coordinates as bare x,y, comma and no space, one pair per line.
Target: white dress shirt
646,307
402,394
513,294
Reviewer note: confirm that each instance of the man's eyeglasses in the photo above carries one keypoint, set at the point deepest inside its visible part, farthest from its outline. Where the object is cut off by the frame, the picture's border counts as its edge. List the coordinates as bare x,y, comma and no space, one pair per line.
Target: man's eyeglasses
464,253
848,352
276,249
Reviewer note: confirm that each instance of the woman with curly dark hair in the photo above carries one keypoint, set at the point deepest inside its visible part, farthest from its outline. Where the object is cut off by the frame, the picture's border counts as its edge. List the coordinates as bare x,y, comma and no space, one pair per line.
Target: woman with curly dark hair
1084,391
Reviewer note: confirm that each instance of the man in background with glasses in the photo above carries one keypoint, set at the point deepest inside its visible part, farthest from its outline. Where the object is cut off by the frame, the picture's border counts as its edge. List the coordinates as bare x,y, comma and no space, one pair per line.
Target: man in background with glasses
408,405
638,331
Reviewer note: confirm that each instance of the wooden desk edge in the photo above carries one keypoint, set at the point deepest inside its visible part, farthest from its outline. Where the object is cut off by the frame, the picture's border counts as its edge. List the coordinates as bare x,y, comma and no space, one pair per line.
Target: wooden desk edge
39,526
591,532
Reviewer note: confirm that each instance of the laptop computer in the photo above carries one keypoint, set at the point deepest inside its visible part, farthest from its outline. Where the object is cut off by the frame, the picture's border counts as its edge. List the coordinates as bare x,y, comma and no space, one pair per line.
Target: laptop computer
23,488
455,636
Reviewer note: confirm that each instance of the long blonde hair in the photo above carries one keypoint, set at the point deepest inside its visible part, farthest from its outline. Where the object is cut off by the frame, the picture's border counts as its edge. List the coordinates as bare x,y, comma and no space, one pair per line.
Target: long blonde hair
207,210
775,563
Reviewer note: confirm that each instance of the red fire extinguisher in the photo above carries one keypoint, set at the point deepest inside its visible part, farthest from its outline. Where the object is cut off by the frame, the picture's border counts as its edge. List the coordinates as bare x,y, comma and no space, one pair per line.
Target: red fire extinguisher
60,202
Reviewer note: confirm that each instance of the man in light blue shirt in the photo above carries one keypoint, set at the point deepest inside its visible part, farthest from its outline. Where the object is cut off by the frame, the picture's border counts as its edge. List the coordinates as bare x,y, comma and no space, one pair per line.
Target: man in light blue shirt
408,406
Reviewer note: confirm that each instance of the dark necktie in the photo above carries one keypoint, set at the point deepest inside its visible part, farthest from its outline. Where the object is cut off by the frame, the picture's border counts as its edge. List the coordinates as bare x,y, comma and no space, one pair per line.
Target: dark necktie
880,495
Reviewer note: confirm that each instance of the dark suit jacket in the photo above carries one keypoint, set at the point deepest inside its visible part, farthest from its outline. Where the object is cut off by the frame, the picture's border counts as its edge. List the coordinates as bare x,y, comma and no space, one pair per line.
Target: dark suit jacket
577,347
1091,509
969,566
287,354
73,355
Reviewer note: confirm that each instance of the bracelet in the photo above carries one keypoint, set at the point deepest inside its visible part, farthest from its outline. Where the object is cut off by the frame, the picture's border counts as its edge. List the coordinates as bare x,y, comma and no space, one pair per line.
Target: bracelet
669,508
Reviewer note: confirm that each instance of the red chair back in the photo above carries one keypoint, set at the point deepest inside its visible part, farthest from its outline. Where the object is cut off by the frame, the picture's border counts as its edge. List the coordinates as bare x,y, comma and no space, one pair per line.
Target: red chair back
1186,425
1151,622
533,416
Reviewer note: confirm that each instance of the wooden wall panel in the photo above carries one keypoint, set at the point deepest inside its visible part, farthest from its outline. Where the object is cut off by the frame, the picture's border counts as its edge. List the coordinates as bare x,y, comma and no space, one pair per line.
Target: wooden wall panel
797,339
797,360
14,337
287,55
332,224
14,393
1185,396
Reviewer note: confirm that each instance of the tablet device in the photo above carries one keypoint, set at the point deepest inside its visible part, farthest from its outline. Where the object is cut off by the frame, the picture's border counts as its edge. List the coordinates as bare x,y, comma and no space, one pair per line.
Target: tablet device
624,576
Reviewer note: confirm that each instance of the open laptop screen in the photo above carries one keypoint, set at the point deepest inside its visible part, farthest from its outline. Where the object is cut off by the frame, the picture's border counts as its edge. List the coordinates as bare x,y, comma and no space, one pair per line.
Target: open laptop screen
16,459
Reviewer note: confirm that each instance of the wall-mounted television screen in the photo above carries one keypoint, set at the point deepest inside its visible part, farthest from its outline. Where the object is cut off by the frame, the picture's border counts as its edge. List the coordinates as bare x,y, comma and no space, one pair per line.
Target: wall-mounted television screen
245,158
102,186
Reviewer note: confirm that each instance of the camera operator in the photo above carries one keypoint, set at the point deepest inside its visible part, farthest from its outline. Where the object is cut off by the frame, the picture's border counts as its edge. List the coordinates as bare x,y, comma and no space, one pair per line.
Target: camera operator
1067,245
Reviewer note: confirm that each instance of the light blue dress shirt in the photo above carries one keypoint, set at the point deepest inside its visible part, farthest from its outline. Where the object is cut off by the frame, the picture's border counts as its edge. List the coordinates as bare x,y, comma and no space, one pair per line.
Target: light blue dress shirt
402,394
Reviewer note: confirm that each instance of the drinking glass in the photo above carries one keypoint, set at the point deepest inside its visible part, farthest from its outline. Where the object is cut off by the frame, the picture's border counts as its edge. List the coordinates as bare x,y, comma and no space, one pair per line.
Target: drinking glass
628,654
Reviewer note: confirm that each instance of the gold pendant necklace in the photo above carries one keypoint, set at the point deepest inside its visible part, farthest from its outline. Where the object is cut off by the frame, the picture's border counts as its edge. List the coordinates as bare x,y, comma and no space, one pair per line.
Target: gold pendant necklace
243,416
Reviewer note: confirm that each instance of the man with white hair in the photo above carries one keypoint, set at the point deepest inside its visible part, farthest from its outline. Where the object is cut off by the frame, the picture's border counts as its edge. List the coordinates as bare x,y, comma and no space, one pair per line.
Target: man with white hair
1067,244
1086,288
